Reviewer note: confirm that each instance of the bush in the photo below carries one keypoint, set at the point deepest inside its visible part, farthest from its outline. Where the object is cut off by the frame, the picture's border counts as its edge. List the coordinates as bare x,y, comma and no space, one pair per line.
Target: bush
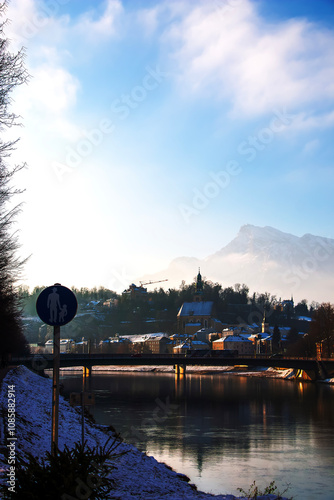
71,474
254,493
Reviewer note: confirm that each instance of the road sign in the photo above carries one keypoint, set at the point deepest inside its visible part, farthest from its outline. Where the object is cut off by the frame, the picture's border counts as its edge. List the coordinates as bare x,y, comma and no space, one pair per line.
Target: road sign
56,305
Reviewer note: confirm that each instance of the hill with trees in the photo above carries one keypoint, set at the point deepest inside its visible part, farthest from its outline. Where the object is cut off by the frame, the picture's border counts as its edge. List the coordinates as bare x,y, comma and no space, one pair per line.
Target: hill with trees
102,313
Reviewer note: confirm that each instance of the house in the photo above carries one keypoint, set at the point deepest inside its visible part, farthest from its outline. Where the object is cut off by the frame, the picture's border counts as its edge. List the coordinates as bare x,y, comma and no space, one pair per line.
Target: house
190,345
204,334
181,348
158,345
65,345
262,343
135,292
115,346
235,343
110,303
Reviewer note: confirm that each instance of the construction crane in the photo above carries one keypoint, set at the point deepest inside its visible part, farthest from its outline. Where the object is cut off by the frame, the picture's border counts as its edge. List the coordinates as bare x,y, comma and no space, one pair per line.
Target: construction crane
151,282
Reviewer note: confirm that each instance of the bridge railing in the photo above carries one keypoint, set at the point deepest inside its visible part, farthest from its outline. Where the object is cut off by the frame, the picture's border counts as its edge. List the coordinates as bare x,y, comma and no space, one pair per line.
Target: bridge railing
70,356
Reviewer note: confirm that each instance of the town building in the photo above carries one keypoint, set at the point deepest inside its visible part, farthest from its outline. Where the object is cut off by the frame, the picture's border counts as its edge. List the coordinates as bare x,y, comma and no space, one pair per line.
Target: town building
204,334
236,343
115,346
135,292
159,345
190,345
262,343
194,316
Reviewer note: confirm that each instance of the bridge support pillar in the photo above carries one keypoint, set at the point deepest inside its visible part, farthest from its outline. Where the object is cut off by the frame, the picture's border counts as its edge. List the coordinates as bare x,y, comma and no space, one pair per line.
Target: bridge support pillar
180,370
86,377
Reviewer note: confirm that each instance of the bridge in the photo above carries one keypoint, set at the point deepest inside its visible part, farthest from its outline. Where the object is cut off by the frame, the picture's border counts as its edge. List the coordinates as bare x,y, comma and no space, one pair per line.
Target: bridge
313,368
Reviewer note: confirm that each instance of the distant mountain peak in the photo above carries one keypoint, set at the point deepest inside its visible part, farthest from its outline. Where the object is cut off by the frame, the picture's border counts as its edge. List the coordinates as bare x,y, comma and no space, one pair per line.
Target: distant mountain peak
266,260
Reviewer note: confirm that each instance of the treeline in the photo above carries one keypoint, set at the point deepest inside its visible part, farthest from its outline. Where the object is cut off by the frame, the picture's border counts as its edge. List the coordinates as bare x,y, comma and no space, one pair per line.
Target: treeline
230,301
158,309
83,295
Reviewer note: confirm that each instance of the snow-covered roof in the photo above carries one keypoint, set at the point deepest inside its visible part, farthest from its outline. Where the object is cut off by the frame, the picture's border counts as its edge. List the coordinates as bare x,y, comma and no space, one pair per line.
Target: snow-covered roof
93,303
232,338
185,345
260,336
196,309
144,337
206,330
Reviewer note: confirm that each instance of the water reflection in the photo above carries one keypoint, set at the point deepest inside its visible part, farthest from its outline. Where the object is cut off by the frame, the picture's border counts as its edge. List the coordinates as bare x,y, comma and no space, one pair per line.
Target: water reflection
224,431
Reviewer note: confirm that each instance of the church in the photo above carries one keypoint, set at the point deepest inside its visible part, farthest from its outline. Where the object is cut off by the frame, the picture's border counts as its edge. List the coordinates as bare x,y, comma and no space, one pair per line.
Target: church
194,316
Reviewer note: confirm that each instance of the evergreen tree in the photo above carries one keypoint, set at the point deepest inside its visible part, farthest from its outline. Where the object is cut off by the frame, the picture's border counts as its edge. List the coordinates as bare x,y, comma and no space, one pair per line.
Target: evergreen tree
276,339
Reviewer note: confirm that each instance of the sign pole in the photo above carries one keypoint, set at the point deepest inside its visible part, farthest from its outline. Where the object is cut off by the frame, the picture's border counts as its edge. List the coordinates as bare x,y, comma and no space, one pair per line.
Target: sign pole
56,306
55,389
82,417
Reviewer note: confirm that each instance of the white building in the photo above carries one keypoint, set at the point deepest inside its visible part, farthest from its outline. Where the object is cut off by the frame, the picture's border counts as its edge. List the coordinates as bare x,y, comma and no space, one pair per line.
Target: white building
65,346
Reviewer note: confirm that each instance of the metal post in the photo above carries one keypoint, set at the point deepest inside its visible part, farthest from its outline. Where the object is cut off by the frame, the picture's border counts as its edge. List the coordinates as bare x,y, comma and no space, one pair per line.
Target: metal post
84,383
55,389
83,416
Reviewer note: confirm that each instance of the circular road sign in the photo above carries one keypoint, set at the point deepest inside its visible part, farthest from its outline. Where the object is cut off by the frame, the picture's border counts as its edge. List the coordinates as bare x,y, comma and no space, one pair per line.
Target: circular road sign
56,305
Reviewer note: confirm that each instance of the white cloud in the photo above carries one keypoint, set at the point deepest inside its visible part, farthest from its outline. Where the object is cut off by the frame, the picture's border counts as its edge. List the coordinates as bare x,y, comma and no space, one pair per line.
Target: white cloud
240,57
30,19
105,25
52,89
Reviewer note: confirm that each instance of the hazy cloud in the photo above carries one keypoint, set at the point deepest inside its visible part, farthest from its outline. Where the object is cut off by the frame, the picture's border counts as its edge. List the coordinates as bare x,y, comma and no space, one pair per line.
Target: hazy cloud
255,65
105,25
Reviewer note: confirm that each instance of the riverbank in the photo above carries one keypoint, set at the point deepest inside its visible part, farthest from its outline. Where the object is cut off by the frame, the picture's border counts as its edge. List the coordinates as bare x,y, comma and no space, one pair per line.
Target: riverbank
286,373
136,475
264,372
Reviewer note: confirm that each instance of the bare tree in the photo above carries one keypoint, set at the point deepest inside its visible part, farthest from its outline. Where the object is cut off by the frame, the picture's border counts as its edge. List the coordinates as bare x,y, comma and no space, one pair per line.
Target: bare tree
12,74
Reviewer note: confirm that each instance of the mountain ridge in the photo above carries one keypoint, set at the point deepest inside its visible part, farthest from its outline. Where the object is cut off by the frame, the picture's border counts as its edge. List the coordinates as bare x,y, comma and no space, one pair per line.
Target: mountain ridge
266,260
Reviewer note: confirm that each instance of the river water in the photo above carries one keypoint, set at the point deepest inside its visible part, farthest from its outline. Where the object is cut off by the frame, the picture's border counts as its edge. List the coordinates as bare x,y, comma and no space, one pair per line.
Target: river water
224,431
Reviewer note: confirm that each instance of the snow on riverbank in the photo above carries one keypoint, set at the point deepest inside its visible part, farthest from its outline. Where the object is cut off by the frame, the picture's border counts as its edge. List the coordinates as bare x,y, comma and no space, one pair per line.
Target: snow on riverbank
137,476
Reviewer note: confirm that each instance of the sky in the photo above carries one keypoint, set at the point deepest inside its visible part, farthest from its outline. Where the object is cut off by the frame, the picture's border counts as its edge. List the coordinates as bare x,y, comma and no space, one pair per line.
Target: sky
156,129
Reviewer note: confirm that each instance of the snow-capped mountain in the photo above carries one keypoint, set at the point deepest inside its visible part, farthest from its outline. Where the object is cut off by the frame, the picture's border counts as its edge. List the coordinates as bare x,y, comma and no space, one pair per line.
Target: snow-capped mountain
266,260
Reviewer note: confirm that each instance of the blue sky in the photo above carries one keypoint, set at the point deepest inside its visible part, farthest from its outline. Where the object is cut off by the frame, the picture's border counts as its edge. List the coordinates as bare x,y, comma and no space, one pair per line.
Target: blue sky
154,130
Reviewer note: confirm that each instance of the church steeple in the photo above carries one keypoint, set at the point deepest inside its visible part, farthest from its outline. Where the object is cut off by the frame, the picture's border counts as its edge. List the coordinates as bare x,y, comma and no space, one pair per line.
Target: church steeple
199,287
265,325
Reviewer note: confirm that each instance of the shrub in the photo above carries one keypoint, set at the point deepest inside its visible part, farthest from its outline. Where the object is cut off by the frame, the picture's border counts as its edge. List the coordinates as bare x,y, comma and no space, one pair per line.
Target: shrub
254,493
78,473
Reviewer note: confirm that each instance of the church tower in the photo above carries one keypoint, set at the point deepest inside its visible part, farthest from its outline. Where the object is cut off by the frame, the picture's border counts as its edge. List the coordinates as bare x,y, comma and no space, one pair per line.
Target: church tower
198,297
265,325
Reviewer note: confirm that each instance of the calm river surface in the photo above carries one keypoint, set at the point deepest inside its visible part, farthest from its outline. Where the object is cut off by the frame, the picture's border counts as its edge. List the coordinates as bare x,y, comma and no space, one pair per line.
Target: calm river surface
224,431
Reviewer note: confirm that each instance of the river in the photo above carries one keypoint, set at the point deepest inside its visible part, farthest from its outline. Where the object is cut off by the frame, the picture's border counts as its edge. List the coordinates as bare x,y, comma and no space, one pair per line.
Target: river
224,431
